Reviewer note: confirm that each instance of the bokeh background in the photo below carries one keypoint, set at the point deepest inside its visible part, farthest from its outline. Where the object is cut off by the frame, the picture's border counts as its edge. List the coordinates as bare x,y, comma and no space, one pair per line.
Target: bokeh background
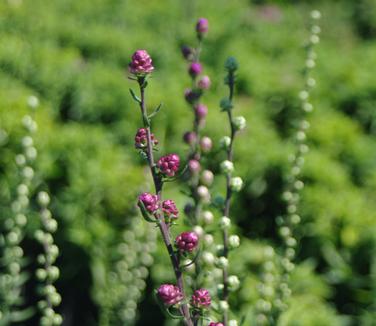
73,55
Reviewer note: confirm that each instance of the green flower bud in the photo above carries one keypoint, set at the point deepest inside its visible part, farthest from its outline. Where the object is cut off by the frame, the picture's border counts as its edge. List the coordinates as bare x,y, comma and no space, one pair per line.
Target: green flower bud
41,274
239,123
233,282
223,305
222,262
234,241
225,222
43,198
236,184
225,142
227,167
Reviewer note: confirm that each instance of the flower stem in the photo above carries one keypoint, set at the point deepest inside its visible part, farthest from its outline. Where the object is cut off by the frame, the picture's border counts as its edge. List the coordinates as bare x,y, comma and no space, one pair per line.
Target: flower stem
226,209
163,227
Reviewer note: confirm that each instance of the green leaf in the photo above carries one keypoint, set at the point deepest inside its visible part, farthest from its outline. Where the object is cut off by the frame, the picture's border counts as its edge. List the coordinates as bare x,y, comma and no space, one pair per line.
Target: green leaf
155,111
135,97
145,214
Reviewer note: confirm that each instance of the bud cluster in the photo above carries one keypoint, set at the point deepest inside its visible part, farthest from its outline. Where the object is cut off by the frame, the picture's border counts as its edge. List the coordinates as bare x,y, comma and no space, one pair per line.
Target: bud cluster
47,273
291,195
125,281
11,282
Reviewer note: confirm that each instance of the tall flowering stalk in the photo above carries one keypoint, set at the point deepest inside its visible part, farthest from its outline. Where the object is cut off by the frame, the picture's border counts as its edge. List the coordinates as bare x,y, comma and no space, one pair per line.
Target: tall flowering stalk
198,179
13,256
48,272
153,208
233,184
294,184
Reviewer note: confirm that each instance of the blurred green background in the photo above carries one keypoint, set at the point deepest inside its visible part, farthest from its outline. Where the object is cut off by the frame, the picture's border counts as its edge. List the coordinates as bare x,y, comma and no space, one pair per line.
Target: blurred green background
73,55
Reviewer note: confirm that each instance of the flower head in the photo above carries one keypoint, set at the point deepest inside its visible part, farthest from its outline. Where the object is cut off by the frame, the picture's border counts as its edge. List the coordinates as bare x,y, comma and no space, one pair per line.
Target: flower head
202,26
169,164
187,52
169,209
140,140
191,96
169,294
201,298
206,144
194,166
187,241
204,82
190,137
149,201
195,69
201,110
141,63
215,324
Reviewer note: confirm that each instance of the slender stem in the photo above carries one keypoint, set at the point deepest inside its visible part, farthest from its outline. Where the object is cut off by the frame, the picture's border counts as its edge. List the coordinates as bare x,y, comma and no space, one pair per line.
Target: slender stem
226,209
163,227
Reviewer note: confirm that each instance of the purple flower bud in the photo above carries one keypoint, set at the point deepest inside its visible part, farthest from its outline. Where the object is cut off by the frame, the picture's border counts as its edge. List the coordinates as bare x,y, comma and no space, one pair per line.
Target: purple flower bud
201,110
190,95
169,294
169,164
206,144
202,26
141,63
190,137
207,177
187,52
187,241
188,209
195,69
201,298
215,324
150,202
169,209
140,140
204,82
194,166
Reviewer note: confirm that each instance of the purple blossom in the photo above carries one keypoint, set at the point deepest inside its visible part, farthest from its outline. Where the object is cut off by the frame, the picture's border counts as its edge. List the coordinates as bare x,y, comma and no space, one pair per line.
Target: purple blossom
202,26
195,69
141,63
169,164
169,209
215,324
140,140
187,241
194,166
187,52
206,144
190,95
201,298
150,202
201,110
204,82
169,294
190,137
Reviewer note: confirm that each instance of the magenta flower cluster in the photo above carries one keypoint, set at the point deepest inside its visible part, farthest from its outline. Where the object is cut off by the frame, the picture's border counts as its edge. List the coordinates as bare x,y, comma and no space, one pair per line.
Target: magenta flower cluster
141,63
140,140
149,201
215,324
201,298
187,241
169,210
169,294
202,26
169,164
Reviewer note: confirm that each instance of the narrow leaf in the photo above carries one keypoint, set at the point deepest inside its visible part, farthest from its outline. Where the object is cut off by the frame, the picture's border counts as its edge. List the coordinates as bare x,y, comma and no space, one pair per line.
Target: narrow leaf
135,97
